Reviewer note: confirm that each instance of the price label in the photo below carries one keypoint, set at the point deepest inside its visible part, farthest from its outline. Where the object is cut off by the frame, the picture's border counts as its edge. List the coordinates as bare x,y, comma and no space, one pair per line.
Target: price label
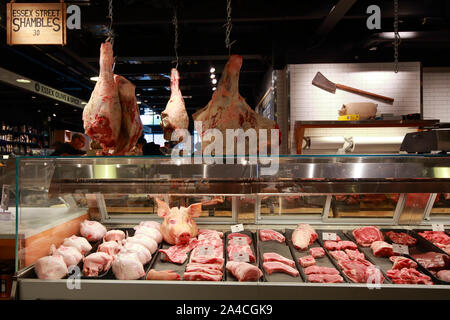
237,228
6,216
205,251
5,197
329,236
240,241
241,257
400,248
438,227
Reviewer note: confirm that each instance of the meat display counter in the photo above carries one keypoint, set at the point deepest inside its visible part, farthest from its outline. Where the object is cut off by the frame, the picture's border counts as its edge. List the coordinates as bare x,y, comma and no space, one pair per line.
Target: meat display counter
332,194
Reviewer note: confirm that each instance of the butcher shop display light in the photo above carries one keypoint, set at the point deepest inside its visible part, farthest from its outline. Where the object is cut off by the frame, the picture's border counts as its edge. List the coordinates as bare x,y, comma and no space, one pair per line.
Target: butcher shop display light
36,23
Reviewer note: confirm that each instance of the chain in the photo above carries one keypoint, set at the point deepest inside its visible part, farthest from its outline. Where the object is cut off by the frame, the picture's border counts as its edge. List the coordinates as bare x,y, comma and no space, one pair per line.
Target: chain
397,38
175,46
110,17
228,26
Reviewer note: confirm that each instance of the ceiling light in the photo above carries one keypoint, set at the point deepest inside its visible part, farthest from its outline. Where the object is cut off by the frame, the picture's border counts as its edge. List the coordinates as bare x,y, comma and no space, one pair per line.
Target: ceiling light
138,94
23,80
373,49
139,102
214,89
33,97
93,78
213,76
145,100
56,104
403,35
39,110
212,70
214,81
84,102
54,115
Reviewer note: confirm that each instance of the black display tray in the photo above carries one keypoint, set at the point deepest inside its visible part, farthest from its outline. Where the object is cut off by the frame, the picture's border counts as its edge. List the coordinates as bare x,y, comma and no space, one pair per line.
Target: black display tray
282,249
421,246
228,275
420,268
326,261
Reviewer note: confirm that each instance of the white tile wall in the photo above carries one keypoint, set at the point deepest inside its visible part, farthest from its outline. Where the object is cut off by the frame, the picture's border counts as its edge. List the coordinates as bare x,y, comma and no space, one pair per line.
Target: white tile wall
436,93
307,102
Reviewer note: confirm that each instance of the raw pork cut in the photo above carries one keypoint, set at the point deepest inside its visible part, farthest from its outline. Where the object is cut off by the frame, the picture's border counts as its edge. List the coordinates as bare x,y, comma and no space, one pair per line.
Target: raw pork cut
444,275
267,235
201,268
382,249
238,235
114,235
339,255
131,125
320,270
175,115
401,238
109,247
408,276
275,266
361,271
303,236
325,278
51,267
162,275
142,252
102,116
244,271
96,262
432,260
402,262
228,110
127,266
144,240
272,256
366,235
214,266
151,224
149,232
317,252
354,254
178,254
92,230
70,255
201,276
307,261
80,243
207,233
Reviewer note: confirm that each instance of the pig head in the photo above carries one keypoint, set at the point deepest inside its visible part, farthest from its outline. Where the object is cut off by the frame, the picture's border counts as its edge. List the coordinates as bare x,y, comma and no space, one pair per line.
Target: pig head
178,225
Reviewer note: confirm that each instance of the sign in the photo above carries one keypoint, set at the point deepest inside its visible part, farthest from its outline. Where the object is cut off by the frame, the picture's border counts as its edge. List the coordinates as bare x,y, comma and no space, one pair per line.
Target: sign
438,227
400,248
36,23
329,236
241,257
237,228
9,77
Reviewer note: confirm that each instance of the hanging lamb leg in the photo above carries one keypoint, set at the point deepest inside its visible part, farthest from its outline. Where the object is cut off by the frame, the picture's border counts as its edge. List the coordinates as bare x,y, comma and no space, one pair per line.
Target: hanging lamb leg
175,115
131,128
102,115
228,110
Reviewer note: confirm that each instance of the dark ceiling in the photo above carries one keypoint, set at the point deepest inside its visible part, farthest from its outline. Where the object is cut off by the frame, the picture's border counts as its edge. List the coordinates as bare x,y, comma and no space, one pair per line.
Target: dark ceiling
268,34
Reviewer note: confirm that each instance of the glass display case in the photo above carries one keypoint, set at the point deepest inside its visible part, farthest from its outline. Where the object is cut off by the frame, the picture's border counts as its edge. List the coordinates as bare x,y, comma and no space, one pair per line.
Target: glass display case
330,193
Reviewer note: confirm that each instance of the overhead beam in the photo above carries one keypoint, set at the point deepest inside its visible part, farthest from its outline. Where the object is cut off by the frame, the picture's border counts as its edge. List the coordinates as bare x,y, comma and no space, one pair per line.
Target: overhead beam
334,16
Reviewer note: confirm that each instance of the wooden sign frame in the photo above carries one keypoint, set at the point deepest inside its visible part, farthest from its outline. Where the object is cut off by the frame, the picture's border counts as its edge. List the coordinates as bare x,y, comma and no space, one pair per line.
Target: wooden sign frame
62,40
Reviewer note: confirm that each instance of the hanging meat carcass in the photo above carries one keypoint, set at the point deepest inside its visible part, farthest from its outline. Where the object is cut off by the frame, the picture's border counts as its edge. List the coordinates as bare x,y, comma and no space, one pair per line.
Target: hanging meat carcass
131,127
111,116
175,115
228,109
102,116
